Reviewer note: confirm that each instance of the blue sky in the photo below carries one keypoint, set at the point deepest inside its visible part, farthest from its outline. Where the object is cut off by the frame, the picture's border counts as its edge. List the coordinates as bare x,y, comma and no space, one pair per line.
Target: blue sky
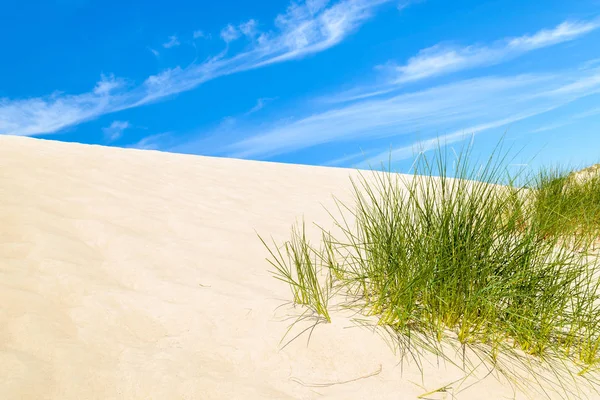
339,83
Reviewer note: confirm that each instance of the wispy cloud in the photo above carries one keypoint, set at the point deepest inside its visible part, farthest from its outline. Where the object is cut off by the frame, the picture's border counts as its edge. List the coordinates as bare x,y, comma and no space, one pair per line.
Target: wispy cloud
347,159
198,34
442,59
230,33
52,113
107,84
422,146
305,28
566,31
115,130
260,104
249,28
591,63
589,113
154,52
153,142
568,120
551,127
402,4
466,106
173,42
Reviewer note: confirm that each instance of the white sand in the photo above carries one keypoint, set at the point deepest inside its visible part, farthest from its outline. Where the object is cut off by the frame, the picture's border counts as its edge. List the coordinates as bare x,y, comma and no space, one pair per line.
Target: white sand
131,274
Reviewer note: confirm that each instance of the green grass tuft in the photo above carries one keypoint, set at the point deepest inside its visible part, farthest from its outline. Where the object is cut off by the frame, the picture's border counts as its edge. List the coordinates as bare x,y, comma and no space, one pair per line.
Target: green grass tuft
451,253
567,203
299,268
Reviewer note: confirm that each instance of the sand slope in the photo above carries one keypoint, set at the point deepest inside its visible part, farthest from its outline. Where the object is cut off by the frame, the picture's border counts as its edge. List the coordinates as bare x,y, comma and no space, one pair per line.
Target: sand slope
128,274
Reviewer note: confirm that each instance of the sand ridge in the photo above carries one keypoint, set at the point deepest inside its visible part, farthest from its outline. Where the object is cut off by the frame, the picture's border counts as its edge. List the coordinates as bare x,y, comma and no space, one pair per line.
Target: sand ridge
128,274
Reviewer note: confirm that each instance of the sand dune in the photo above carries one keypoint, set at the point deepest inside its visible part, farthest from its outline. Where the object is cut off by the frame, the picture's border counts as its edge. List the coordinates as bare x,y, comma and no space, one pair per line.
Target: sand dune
130,274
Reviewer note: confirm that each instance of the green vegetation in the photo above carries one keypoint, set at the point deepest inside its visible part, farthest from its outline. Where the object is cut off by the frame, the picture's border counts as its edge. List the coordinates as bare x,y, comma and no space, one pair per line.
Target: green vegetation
451,254
299,268
568,203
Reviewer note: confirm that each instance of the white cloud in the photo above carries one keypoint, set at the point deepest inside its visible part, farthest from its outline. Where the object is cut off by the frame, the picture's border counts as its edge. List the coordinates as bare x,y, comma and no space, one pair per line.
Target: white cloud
304,29
305,32
551,127
107,84
115,130
590,63
402,4
465,107
152,142
198,34
230,33
589,113
314,6
344,160
154,52
566,31
260,104
51,113
249,28
442,59
423,146
173,42
581,86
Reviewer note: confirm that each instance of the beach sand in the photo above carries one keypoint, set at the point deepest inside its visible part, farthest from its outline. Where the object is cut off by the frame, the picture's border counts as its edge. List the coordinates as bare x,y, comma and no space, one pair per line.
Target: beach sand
128,274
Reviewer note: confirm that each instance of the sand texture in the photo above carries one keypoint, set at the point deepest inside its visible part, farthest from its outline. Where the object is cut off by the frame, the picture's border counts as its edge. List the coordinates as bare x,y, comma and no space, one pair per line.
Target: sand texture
129,274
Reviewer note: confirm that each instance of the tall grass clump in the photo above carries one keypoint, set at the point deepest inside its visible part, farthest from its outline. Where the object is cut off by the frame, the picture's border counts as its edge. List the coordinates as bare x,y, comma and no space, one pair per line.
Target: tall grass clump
297,264
453,253
567,203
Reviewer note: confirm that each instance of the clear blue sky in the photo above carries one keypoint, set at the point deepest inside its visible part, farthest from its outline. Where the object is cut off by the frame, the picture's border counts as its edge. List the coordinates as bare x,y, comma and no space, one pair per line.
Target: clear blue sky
315,82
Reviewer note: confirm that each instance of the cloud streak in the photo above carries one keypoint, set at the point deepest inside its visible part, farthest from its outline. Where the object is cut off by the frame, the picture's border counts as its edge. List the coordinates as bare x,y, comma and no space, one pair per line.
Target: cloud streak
422,146
153,142
466,106
115,130
173,42
260,104
589,113
304,29
443,59
440,59
198,34
41,115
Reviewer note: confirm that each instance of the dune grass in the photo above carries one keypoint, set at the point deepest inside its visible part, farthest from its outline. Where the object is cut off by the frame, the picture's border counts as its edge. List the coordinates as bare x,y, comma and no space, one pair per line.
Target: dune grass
298,266
568,202
451,253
